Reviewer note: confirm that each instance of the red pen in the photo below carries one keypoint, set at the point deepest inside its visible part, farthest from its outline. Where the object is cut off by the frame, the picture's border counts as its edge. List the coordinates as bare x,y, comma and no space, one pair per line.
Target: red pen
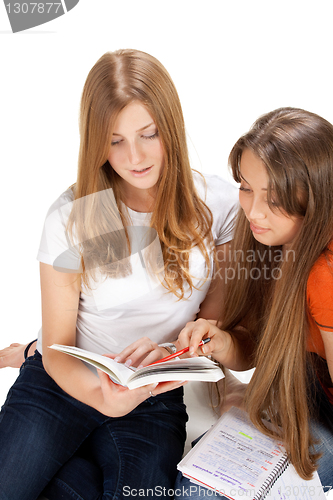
179,353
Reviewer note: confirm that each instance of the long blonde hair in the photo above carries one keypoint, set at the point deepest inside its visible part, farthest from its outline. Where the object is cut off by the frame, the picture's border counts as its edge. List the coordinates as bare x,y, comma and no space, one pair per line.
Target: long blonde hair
296,148
180,218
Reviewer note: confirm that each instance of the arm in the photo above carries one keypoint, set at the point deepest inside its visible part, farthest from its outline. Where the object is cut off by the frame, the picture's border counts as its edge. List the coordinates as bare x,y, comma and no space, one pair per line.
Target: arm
226,348
211,306
145,351
328,344
60,298
233,391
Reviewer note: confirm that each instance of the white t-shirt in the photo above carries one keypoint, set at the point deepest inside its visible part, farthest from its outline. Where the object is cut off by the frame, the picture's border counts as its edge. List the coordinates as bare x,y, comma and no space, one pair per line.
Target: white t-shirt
117,312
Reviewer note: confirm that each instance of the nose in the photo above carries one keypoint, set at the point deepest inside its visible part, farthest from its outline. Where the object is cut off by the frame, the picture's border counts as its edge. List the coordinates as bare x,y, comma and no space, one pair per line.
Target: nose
257,210
135,154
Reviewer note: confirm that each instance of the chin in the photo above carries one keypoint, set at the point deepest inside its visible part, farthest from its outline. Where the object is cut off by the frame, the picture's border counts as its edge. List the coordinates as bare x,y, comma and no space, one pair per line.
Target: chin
265,241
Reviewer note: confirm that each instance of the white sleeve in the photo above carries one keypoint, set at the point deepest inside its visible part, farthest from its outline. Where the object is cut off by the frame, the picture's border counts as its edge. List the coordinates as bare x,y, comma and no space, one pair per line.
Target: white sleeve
222,199
55,247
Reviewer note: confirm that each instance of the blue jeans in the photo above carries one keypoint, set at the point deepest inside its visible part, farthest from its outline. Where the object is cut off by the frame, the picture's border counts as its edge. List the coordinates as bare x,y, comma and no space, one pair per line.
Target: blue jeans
44,432
322,429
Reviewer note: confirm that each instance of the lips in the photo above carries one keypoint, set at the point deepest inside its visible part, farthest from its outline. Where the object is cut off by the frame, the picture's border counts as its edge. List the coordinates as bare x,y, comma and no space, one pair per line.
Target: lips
142,172
257,229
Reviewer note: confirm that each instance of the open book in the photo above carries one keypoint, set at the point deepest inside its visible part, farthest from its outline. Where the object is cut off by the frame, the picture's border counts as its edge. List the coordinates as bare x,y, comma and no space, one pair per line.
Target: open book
199,368
235,459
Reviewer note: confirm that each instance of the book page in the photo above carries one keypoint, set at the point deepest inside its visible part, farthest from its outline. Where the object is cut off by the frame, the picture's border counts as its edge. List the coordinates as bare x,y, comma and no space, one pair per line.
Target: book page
291,487
118,372
198,368
233,458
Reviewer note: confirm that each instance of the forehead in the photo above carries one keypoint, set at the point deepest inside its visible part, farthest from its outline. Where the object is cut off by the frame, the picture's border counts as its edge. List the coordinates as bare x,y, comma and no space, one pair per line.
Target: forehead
133,118
253,170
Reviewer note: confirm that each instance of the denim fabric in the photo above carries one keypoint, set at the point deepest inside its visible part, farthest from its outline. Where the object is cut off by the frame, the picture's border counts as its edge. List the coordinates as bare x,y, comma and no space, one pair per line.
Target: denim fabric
322,429
121,461
185,489
42,428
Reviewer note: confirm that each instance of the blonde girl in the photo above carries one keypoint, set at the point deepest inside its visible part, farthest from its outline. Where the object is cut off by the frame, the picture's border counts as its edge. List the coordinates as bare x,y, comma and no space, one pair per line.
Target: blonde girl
126,252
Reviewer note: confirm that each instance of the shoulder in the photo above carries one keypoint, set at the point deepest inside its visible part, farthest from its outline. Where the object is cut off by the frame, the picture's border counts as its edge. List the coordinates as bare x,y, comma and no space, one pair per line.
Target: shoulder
64,200
221,197
58,213
215,191
54,239
322,271
320,290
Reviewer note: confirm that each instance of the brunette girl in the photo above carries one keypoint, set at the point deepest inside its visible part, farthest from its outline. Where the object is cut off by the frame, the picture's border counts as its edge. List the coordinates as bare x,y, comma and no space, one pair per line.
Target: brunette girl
277,314
126,252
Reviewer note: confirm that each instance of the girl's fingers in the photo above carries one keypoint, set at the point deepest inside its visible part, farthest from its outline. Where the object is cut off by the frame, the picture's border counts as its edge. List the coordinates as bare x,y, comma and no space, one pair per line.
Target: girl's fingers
195,331
185,335
165,387
119,400
199,330
136,351
153,356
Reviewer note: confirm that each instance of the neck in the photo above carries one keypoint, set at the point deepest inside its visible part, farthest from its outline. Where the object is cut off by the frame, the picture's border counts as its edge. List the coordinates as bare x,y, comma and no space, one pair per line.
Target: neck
139,200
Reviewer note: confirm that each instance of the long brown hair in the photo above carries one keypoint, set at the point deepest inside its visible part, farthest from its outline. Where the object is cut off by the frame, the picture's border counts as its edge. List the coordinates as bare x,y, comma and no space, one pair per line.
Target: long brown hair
296,147
180,218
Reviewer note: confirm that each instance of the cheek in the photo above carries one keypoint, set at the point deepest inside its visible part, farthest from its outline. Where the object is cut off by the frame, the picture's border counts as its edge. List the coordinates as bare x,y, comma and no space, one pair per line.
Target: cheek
114,158
157,150
243,201
288,229
296,227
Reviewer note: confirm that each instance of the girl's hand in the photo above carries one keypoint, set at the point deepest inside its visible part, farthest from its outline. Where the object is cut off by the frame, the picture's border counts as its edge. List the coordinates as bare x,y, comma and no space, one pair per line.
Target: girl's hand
12,356
195,331
234,392
143,352
119,400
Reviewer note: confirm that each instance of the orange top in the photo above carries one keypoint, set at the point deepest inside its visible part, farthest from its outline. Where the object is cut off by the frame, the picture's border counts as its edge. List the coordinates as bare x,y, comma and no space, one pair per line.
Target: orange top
320,304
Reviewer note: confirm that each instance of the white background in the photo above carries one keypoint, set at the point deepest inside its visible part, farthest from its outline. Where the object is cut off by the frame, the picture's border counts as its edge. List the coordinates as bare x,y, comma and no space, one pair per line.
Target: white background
231,60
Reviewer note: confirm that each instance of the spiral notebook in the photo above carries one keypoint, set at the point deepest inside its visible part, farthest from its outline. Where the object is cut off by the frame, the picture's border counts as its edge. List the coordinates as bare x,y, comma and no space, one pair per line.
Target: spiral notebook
235,459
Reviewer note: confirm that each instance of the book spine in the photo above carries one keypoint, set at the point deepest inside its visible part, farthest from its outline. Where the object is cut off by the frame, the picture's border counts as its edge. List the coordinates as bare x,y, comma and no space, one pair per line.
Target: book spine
272,478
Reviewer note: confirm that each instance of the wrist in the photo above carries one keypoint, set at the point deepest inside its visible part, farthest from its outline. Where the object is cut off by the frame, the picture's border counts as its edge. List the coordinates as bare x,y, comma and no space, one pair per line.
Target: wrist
224,347
169,346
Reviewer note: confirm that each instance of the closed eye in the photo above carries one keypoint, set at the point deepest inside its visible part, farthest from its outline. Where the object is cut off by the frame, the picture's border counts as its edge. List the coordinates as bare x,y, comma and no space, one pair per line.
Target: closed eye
148,137
152,136
246,190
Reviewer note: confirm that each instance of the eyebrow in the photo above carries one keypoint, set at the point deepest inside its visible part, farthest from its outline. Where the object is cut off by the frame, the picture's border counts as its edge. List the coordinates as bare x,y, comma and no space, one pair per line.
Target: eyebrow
263,189
140,129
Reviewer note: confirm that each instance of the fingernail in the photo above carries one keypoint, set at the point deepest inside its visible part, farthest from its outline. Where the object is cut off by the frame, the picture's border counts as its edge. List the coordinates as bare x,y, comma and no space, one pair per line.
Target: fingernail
116,359
128,362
